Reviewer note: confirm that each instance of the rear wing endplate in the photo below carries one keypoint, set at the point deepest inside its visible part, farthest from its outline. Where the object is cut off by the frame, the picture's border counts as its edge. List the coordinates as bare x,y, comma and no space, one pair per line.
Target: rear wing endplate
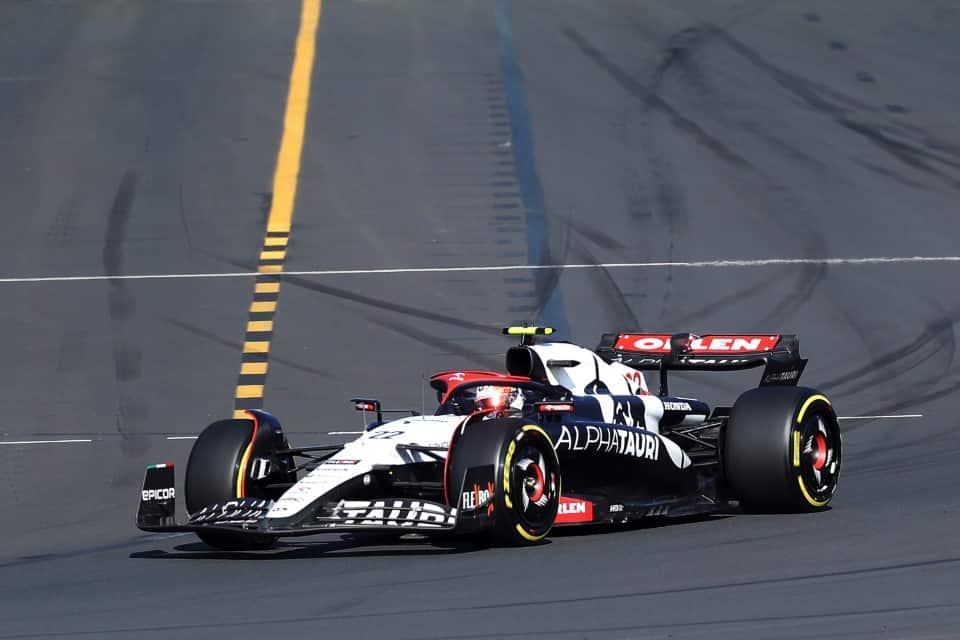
778,354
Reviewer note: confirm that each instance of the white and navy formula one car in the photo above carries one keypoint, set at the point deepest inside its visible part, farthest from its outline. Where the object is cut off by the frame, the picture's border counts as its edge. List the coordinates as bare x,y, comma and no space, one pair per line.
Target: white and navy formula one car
568,436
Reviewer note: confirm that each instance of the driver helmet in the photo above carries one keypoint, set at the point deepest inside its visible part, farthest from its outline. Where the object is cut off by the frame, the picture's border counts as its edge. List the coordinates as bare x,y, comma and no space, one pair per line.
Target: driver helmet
498,397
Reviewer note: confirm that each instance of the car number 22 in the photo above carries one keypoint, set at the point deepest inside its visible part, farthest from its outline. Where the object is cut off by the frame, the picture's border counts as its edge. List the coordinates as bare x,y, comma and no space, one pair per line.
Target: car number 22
384,435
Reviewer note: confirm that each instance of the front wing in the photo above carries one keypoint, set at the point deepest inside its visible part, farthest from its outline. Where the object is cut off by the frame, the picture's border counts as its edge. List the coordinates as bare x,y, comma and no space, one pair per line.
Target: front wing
157,513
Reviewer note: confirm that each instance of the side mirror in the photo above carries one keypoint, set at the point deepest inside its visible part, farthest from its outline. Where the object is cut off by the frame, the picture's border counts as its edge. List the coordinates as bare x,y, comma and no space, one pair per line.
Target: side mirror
366,404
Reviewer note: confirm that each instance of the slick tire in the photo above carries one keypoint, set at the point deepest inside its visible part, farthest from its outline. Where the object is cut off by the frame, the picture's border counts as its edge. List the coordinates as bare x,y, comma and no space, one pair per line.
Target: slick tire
212,476
526,478
781,450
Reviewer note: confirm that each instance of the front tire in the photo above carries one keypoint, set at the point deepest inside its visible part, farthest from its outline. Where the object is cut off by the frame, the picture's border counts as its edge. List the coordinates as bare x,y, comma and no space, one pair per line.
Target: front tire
782,450
217,472
526,473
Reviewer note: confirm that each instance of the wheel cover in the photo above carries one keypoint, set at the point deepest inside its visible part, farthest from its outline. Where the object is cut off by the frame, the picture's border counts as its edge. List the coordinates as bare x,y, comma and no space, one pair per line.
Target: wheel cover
820,456
819,446
535,487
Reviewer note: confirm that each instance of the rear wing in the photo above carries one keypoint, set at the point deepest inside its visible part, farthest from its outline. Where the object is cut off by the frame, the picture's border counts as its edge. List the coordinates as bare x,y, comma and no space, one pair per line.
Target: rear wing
778,354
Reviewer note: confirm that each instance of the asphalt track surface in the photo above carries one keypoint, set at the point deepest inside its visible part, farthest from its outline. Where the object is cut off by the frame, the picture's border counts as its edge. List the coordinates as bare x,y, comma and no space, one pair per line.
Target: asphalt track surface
140,137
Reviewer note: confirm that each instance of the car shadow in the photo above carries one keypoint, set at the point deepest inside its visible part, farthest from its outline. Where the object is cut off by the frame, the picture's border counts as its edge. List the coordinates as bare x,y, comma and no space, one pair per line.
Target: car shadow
372,545
348,546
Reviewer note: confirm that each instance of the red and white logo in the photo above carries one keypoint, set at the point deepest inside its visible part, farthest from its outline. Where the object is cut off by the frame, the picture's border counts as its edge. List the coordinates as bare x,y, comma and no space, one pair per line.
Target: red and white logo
714,345
573,510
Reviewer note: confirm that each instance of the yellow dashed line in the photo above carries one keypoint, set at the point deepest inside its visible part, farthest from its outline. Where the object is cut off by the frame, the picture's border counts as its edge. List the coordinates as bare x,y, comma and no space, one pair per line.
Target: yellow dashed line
253,368
256,347
249,391
285,179
261,307
273,255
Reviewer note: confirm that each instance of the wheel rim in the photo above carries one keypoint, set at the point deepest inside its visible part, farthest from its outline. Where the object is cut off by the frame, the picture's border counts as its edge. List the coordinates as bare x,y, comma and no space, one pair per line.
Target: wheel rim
534,492
819,451
820,456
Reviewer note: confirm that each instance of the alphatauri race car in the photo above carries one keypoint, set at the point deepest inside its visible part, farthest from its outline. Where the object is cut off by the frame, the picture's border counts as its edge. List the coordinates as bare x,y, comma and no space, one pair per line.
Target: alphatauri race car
567,436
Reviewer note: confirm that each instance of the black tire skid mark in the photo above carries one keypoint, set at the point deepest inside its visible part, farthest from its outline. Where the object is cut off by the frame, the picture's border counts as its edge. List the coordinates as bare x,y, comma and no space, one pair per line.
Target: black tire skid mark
873,376
485,360
936,338
913,401
882,375
595,235
678,53
902,460
907,152
809,278
545,281
737,298
63,227
604,283
121,305
672,208
905,452
891,175
668,196
412,312
238,347
304,282
883,372
610,292
383,305
679,50
655,101
694,38
892,427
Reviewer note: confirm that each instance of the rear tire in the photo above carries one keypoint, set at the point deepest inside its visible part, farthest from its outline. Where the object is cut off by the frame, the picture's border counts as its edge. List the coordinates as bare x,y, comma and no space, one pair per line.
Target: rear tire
212,476
526,477
781,450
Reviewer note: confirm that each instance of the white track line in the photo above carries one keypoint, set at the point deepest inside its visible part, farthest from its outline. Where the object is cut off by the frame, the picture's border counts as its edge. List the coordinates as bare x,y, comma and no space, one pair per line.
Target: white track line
45,441
890,417
719,264
353,433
